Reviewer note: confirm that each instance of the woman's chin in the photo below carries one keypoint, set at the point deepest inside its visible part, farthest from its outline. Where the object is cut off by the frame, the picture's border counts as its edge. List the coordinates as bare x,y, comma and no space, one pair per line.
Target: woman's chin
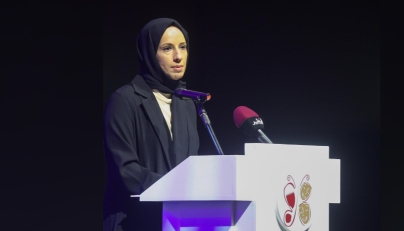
176,77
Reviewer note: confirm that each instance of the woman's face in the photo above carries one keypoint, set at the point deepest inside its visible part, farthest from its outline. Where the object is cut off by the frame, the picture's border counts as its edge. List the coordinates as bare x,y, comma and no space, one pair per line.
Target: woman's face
172,53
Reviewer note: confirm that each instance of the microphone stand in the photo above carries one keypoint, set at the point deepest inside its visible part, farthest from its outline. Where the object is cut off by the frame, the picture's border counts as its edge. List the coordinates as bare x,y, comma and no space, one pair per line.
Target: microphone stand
205,119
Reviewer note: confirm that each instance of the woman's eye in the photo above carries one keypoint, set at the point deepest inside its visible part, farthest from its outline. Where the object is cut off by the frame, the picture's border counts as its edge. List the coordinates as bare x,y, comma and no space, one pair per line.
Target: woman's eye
166,48
183,47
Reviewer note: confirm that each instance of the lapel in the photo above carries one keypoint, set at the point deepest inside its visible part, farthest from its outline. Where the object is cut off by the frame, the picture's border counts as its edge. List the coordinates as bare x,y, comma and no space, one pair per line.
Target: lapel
153,112
180,127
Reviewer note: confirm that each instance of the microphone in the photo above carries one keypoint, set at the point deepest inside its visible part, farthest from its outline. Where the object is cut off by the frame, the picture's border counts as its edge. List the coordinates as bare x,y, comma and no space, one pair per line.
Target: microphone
250,123
194,95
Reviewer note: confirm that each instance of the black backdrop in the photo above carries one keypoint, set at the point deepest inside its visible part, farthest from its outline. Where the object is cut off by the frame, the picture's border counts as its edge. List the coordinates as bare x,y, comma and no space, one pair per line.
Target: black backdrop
310,70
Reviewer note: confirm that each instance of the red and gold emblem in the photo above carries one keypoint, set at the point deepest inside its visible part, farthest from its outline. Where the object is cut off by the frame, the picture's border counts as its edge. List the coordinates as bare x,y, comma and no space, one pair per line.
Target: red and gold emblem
295,201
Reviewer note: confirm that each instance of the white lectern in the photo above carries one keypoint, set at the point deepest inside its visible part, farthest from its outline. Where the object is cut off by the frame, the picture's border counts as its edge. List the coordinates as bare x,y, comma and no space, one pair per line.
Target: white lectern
271,187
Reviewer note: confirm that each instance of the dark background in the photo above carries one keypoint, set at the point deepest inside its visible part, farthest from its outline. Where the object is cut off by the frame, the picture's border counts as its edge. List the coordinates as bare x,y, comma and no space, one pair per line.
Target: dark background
311,70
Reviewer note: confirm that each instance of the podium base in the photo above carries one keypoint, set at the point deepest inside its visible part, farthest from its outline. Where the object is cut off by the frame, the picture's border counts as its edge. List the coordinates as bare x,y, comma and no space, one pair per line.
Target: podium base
209,216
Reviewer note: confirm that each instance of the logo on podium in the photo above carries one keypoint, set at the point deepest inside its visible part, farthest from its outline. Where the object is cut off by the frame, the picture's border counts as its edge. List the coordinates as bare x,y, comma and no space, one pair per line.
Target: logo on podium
293,211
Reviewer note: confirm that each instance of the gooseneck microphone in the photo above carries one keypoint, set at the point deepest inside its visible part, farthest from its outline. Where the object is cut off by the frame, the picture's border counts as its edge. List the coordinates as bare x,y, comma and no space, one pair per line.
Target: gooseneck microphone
250,123
194,95
199,99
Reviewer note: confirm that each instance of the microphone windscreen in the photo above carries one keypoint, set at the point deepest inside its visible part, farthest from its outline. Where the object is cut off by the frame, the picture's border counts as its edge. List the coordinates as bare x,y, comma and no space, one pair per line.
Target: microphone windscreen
247,120
241,113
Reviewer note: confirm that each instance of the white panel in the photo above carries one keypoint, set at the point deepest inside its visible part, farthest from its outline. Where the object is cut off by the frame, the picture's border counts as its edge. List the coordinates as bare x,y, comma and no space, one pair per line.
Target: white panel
197,178
334,181
303,151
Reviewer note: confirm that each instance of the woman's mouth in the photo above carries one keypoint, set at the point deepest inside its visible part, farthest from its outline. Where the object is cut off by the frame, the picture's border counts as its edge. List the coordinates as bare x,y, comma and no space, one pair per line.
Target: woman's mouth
177,68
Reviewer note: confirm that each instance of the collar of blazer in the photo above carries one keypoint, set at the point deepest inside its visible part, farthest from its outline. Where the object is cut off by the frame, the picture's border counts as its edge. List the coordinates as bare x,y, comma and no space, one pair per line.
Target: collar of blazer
141,87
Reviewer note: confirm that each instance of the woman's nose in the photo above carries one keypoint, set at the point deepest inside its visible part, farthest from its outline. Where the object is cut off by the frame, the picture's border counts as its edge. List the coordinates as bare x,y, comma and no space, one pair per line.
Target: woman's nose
177,56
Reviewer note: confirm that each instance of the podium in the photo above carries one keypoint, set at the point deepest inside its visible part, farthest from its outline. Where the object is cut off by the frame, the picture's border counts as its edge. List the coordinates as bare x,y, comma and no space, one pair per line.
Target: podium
271,187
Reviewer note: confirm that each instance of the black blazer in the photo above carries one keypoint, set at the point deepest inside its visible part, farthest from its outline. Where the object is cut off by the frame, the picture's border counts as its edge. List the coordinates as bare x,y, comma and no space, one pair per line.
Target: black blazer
138,147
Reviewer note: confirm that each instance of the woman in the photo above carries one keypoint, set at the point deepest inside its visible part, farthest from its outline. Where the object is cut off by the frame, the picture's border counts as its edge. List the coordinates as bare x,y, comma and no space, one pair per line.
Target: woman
148,130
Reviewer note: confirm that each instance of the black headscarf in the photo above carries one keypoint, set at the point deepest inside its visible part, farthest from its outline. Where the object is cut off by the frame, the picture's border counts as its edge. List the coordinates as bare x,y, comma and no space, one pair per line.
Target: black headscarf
185,138
147,45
